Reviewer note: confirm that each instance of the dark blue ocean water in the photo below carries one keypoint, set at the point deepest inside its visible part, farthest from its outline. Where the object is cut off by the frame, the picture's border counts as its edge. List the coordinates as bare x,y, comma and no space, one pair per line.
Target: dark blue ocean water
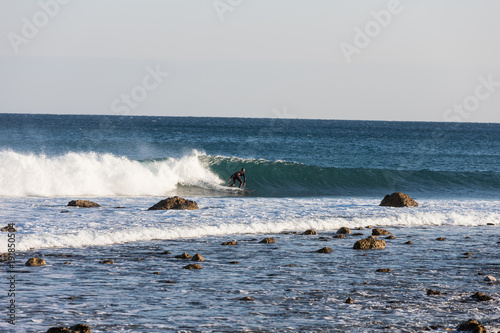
283,157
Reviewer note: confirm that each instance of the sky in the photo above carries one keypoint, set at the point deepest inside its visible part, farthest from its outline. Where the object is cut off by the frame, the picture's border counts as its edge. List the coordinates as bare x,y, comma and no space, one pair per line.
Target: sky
404,60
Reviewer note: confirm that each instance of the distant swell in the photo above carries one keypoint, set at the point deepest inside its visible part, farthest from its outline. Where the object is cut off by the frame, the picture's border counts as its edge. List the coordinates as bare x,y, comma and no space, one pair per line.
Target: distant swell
92,174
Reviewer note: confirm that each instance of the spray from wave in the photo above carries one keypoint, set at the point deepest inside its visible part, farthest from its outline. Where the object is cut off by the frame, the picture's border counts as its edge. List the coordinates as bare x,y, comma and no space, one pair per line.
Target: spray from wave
92,174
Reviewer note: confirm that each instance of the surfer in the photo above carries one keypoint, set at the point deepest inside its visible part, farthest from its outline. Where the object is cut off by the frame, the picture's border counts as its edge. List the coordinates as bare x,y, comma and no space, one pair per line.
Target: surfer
237,177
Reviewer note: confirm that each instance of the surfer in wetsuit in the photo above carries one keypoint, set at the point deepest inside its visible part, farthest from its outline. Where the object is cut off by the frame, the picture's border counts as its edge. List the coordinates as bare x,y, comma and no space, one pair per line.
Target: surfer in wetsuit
237,177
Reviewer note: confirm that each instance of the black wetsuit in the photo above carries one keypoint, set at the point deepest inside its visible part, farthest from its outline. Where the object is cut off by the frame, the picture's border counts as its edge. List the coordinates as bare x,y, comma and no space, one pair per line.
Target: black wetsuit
237,177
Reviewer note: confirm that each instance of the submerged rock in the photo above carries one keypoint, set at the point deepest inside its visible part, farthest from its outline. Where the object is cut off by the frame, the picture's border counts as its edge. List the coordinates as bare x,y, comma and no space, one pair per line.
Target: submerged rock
83,204
471,325
310,232
268,241
35,262
197,257
79,328
369,244
326,249
490,278
183,256
192,266
174,203
480,297
398,199
344,230
380,232
383,270
231,243
431,292
350,301
107,262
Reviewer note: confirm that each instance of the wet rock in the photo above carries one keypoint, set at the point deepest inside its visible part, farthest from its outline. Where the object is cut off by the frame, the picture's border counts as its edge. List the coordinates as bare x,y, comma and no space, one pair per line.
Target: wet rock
471,325
369,227
324,239
490,223
398,199
344,230
8,228
380,232
369,244
234,262
268,241
79,328
64,211
384,270
350,301
408,243
358,234
441,239
183,256
247,298
326,249
35,262
197,257
107,262
192,266
480,297
310,232
360,228
339,236
490,278
83,204
391,237
231,243
165,252
431,292
174,203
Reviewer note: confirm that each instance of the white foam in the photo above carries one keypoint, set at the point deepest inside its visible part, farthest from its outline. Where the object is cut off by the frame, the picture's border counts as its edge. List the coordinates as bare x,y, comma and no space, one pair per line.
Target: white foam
92,174
42,226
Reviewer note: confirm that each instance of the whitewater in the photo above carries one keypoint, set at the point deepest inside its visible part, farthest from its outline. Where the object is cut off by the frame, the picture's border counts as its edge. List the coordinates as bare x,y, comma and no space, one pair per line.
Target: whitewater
305,174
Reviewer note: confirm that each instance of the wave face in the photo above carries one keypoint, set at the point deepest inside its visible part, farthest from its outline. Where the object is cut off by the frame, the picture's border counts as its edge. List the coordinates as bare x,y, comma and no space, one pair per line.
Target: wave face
197,174
282,178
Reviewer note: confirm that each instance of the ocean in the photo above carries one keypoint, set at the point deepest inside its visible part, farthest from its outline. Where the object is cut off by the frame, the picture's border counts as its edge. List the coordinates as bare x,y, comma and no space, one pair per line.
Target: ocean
303,174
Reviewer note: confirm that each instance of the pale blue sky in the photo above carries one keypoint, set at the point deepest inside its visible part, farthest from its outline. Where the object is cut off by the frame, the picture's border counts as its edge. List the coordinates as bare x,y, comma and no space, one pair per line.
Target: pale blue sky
431,60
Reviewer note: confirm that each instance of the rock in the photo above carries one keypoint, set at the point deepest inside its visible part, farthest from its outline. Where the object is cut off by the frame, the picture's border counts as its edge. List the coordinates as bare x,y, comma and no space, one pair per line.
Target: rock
339,236
197,257
369,244
471,325
398,199
165,252
231,243
247,298
8,228
490,278
35,262
358,234
234,262
344,230
408,243
383,270
480,297
192,266
183,256
489,223
380,232
309,232
350,301
325,250
268,241
174,203
431,292
391,237
83,204
79,328
441,239
107,262
369,227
